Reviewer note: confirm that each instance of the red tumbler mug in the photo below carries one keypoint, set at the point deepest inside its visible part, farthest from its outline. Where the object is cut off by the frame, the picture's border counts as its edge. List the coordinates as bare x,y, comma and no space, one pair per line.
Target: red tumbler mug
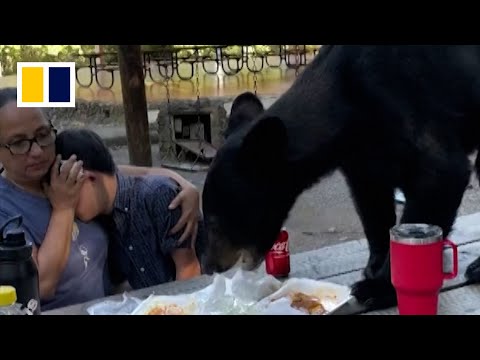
417,268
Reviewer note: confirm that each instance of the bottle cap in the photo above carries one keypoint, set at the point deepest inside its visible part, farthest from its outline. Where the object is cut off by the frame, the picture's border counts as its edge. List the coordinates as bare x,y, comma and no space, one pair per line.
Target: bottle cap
8,295
13,243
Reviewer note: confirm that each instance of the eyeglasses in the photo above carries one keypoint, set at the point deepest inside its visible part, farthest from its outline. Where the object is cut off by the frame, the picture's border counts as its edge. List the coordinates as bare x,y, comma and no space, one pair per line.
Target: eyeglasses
22,147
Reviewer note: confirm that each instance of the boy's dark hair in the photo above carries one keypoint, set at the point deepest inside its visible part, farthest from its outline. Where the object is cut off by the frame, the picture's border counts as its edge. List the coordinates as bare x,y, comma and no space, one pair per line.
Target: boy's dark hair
89,147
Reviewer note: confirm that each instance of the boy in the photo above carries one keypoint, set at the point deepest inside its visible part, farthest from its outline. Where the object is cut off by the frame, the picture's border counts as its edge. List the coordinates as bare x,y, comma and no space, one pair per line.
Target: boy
135,212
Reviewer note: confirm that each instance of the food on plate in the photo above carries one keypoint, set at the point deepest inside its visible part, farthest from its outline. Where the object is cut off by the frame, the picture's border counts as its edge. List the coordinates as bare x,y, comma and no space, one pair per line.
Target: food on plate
170,309
308,303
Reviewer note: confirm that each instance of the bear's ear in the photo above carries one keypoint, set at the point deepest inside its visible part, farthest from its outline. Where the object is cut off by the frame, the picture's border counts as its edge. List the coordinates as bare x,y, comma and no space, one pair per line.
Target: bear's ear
264,148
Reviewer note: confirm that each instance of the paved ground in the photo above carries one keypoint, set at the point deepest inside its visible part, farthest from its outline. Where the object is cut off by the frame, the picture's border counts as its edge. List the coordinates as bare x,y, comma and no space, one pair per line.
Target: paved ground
323,215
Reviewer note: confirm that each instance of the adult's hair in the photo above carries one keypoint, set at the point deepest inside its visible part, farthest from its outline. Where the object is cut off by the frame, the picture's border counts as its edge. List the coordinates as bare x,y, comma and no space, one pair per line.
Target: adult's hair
89,147
7,95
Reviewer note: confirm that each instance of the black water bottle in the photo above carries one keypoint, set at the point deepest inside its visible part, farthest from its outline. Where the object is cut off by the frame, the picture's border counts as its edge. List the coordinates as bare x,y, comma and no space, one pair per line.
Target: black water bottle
17,267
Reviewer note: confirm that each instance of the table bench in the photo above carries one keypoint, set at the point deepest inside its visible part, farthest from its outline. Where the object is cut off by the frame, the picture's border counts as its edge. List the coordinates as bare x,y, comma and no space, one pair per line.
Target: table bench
343,264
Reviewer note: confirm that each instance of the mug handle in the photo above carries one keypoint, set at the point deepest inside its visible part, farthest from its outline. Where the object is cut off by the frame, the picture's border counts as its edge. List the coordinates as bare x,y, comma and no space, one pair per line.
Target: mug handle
454,273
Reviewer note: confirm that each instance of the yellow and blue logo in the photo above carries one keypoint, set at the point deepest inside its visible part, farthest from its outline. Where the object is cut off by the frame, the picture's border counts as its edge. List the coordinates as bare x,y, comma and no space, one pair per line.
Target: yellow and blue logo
46,84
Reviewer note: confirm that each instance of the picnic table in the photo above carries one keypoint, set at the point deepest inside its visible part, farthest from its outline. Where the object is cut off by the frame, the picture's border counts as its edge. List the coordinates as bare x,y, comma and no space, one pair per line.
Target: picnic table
343,264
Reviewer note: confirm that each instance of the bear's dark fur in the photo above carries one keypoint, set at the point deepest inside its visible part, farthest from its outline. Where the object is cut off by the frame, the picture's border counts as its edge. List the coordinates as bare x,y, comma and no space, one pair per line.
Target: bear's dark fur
387,116
245,108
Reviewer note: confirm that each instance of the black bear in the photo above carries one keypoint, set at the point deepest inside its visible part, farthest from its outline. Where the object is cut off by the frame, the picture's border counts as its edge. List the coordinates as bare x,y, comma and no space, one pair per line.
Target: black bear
245,108
388,117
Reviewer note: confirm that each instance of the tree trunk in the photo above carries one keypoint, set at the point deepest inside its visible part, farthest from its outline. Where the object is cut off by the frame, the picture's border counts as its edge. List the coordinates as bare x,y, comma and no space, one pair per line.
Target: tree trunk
135,105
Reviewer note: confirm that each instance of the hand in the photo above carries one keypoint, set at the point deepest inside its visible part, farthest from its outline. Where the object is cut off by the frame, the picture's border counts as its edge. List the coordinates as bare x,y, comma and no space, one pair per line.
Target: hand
189,199
65,183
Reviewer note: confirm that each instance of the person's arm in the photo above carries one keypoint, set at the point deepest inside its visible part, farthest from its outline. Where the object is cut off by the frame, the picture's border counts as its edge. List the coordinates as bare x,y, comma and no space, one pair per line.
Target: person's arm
50,261
186,262
188,198
182,252
52,256
142,171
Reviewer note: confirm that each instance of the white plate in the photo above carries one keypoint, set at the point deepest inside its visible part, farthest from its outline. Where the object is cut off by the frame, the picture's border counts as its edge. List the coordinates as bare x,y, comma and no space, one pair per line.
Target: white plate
246,293
332,296
167,305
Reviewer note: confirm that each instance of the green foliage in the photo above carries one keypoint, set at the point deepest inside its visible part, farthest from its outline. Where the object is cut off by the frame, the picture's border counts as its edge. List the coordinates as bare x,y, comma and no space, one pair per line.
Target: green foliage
11,54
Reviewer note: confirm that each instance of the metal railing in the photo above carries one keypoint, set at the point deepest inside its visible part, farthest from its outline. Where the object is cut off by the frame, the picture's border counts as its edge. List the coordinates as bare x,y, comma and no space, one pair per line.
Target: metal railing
182,62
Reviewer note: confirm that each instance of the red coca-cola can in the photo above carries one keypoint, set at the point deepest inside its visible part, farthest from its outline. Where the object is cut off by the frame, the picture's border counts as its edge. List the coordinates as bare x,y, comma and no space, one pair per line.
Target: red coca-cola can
277,260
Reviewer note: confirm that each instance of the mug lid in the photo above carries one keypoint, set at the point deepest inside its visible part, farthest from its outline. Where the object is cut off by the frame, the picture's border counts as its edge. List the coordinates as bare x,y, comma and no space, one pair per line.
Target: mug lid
416,234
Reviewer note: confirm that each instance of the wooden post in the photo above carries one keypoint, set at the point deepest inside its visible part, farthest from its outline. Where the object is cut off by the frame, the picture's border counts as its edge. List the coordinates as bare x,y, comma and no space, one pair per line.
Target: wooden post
135,105
99,50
